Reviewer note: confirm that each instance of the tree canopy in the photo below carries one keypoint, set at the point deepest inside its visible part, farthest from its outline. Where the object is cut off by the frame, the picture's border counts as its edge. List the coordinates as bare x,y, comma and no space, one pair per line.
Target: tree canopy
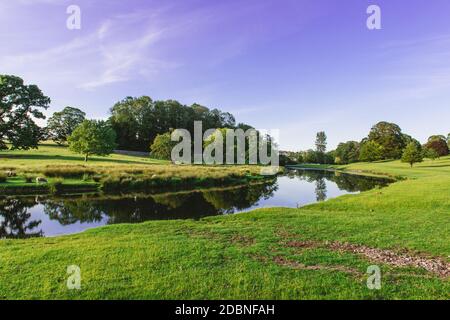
93,138
137,121
20,105
61,124
162,146
371,151
412,154
438,144
347,152
390,137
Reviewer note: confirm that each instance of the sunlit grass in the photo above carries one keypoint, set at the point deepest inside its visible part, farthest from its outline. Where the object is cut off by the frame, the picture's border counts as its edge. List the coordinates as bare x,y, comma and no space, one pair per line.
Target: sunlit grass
235,257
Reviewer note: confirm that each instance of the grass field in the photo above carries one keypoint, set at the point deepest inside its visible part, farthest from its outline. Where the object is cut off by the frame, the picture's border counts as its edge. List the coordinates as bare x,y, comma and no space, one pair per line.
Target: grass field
116,172
321,251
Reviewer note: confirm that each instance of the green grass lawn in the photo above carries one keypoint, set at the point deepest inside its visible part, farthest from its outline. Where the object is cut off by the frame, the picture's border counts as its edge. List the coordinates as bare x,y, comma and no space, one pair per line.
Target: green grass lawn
321,251
51,155
125,173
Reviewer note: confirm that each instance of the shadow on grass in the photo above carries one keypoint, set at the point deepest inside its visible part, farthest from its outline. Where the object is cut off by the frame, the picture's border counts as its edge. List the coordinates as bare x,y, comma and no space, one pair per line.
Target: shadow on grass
435,166
71,158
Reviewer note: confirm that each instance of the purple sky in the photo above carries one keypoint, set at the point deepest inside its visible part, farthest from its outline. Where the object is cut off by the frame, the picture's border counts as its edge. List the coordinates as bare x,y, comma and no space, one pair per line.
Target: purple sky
300,66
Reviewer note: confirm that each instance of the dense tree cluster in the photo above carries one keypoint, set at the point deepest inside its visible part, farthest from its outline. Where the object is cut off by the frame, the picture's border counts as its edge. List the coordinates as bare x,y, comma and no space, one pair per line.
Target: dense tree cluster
140,123
137,121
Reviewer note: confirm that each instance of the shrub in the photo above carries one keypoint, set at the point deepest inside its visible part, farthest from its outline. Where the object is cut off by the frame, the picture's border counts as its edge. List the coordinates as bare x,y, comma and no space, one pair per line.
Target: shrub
3,178
56,186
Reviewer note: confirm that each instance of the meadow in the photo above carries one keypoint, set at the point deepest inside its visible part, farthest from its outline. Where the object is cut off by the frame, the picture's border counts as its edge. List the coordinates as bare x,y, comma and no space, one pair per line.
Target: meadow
66,171
321,251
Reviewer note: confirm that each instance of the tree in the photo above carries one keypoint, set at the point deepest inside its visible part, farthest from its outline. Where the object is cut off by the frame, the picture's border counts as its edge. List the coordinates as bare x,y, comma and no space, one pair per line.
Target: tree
412,154
137,121
19,105
430,154
390,137
93,137
347,152
371,151
321,142
162,146
61,125
438,144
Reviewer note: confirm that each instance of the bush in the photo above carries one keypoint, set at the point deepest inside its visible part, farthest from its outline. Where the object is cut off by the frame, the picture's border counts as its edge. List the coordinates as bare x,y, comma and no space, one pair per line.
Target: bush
56,186
3,178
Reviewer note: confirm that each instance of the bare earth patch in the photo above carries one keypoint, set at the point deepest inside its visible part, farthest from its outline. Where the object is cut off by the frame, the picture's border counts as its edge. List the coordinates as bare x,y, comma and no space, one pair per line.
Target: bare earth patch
281,261
434,265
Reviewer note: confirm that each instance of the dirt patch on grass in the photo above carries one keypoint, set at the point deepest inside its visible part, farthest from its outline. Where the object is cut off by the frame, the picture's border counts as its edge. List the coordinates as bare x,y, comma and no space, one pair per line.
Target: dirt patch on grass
433,265
281,261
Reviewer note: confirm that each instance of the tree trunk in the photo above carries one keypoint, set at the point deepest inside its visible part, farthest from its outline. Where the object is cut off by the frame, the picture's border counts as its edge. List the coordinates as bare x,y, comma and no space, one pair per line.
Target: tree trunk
86,157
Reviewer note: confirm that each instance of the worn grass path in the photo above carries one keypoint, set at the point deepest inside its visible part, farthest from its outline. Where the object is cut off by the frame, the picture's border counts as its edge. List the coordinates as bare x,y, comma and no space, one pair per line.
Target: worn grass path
320,251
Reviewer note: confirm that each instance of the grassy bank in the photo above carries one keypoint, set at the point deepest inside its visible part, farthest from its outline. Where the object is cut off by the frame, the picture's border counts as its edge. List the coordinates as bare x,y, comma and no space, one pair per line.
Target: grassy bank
65,171
320,251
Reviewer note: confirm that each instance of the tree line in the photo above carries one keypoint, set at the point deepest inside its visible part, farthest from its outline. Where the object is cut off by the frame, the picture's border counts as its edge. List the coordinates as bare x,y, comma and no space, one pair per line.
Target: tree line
385,141
134,123
142,124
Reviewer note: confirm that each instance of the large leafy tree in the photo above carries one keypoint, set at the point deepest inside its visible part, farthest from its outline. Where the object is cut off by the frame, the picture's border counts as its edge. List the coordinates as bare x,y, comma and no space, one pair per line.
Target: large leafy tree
61,124
20,105
93,138
371,151
390,137
347,152
412,154
438,144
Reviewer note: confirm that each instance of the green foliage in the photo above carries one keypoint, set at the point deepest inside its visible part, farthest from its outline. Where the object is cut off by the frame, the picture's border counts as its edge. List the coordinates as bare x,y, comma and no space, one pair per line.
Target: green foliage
430,154
321,142
347,152
137,121
390,137
19,105
438,144
56,186
61,125
412,154
162,146
255,254
3,177
371,151
93,138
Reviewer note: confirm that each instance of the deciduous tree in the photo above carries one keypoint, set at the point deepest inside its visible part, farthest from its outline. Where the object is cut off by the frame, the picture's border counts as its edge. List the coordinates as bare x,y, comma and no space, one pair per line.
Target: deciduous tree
93,138
412,154
61,124
20,105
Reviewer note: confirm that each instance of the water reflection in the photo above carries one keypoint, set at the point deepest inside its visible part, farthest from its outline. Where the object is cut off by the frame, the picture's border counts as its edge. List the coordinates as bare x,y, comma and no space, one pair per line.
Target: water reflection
25,217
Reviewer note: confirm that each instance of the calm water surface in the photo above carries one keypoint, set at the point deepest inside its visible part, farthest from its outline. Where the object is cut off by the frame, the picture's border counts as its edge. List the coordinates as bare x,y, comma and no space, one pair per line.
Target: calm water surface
24,217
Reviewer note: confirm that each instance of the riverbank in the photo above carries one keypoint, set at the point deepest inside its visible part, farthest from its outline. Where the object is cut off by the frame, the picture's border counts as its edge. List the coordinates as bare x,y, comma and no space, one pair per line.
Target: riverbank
60,171
320,251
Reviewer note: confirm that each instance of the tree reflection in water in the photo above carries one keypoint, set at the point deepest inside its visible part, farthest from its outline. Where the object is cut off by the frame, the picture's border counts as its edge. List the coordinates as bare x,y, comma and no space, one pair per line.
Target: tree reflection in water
16,220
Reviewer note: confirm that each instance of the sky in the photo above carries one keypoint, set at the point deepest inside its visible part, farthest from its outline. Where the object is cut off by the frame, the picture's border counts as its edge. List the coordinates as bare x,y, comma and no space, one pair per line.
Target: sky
300,66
